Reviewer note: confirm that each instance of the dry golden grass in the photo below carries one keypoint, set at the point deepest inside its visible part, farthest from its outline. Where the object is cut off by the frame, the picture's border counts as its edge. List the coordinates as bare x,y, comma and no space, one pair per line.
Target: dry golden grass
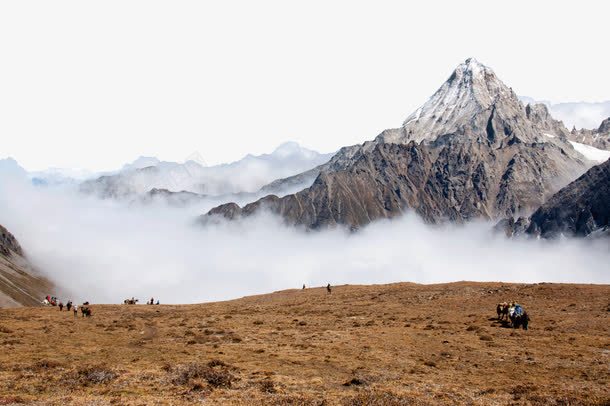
400,344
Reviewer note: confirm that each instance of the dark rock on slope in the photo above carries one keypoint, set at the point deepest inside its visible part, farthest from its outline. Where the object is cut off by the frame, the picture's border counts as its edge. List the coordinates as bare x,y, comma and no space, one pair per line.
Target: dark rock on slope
20,285
580,209
472,151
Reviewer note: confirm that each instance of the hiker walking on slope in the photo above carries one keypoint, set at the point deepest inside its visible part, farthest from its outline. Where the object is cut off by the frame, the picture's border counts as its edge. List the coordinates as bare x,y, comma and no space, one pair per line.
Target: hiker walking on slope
61,306
69,305
75,308
328,289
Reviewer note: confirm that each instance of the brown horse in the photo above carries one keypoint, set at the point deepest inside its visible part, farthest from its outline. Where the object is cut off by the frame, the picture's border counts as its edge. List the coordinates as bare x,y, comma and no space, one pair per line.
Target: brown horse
502,310
86,311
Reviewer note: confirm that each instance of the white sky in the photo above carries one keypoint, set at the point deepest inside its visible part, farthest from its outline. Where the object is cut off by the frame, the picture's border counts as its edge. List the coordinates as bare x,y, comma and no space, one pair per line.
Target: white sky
96,84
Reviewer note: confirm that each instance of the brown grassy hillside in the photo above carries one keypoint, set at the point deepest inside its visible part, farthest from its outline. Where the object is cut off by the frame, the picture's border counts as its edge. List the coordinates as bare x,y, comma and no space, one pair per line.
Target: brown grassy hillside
397,344
19,283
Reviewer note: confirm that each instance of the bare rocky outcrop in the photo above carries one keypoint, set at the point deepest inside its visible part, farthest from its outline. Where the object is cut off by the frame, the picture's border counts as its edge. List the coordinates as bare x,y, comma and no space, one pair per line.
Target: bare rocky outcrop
20,285
8,243
539,115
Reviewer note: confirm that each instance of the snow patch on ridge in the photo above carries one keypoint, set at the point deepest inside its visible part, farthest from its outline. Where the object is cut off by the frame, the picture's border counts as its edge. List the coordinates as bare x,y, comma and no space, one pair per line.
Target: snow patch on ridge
591,153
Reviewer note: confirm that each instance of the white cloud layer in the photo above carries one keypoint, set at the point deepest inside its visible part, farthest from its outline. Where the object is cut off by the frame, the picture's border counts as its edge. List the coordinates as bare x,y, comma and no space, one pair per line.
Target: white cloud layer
105,251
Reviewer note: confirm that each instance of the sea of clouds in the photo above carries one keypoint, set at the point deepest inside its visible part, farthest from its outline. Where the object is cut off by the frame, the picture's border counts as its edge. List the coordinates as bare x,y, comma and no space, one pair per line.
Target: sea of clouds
107,250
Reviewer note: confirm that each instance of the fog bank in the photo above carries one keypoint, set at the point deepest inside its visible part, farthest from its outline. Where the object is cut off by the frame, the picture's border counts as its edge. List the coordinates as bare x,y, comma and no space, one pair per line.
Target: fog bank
105,251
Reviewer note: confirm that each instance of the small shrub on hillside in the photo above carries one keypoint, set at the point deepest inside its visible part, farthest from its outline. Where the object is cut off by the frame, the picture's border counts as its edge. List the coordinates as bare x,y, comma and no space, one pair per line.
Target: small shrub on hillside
95,375
216,373
377,398
355,382
267,386
217,363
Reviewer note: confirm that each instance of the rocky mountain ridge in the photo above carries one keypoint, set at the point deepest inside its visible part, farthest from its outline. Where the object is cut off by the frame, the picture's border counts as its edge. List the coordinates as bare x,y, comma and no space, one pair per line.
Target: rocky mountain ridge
580,209
471,151
580,115
598,138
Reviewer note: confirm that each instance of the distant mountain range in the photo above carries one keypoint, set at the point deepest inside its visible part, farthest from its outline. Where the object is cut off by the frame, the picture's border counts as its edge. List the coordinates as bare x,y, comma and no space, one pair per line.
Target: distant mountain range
247,175
473,150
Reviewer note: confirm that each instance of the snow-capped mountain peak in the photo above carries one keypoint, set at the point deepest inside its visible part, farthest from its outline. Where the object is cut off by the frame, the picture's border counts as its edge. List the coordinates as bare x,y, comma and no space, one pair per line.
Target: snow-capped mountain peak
470,89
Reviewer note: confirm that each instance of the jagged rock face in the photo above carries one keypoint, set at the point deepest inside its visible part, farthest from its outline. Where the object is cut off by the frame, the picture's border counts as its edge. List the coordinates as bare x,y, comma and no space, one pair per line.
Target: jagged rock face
540,116
604,127
599,138
472,151
8,243
369,189
19,283
454,182
581,208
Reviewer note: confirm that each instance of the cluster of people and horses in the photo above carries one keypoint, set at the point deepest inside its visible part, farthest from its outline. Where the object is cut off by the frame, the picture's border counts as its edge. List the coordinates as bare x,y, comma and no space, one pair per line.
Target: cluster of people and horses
513,312
508,312
133,301
50,301
84,308
54,301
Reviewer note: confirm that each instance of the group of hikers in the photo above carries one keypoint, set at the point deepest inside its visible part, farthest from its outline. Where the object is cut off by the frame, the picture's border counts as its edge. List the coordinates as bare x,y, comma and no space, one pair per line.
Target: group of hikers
84,308
328,288
513,312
